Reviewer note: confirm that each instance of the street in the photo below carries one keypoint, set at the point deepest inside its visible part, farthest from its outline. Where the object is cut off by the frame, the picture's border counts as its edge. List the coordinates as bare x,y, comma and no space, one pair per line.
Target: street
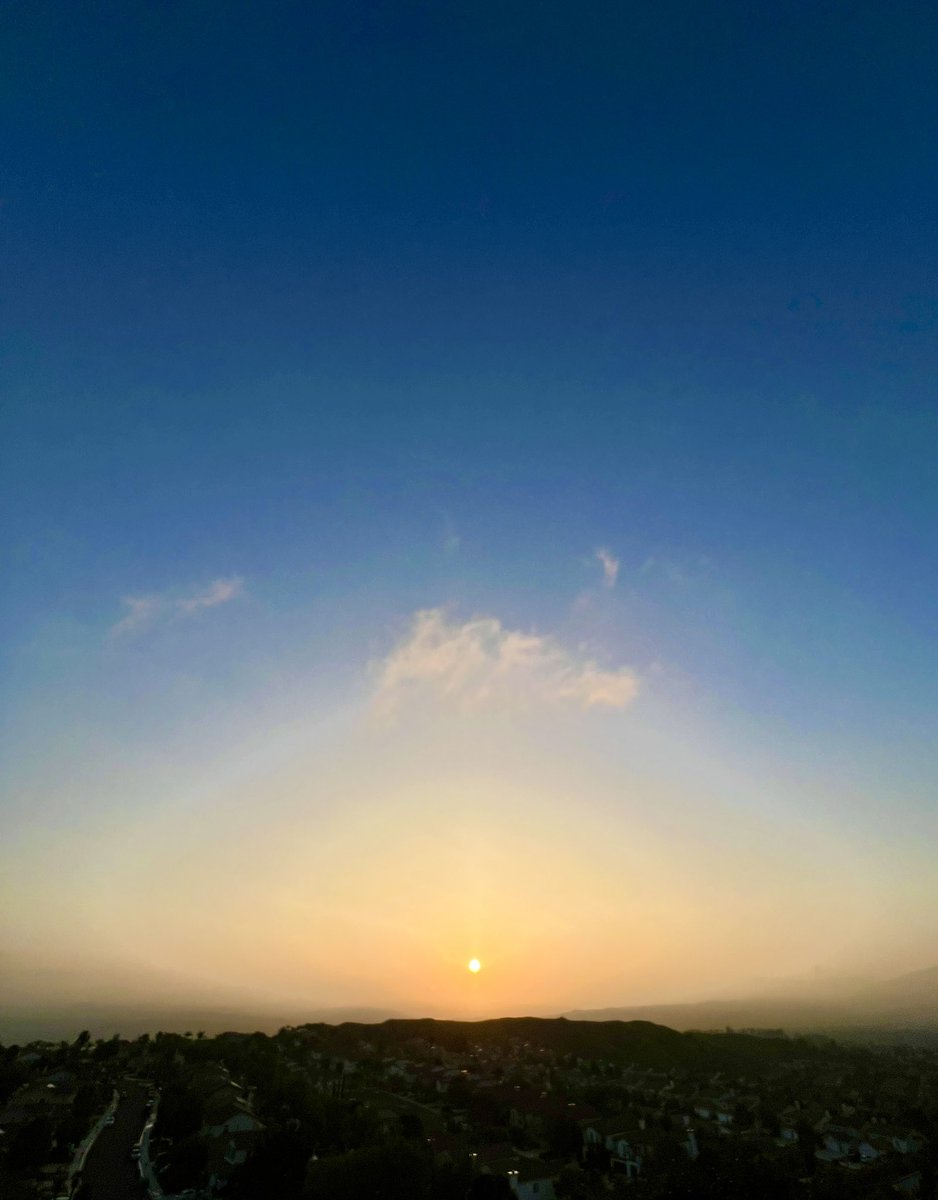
110,1173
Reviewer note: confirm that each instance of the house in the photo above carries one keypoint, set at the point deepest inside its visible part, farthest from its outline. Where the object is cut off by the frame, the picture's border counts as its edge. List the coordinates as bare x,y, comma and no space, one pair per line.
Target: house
237,1119
714,1110
532,1180
40,1098
868,1150
627,1150
528,1178
812,1115
227,1152
839,1142
448,1147
402,1069
535,1112
13,1114
596,1131
903,1141
230,1126
627,1143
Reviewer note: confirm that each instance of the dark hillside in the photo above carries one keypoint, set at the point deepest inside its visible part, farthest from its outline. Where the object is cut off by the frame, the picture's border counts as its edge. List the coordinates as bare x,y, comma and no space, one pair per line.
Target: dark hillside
640,1042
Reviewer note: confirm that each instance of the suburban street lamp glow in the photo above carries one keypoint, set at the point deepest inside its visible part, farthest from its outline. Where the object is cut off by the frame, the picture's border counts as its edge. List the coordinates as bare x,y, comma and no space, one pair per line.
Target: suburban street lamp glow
474,965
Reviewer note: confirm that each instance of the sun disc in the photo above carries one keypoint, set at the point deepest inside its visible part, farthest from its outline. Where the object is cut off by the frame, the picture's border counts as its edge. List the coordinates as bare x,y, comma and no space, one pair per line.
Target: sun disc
474,966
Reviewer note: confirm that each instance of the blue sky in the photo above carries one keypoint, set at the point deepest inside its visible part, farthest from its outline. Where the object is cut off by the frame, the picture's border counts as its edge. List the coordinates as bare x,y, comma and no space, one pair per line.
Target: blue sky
358,310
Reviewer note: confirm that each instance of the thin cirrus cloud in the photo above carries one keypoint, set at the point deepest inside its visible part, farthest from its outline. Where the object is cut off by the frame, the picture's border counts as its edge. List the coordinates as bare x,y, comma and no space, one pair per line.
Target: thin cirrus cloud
610,566
143,612
480,664
219,592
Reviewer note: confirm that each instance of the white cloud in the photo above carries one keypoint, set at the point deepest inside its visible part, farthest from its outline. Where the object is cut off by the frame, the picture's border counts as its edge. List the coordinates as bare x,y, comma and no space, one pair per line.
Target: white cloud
218,592
142,611
145,611
480,663
610,565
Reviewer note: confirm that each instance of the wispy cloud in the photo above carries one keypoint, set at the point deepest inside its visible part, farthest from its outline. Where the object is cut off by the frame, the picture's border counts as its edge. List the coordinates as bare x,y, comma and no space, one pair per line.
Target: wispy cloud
610,566
143,612
480,663
218,592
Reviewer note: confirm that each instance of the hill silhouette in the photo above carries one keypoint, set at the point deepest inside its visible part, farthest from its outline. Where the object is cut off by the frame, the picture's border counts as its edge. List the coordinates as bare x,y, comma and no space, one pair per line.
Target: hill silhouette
642,1043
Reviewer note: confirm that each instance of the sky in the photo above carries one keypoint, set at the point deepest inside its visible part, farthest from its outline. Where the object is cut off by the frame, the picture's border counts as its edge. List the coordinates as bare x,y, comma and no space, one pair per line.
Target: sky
468,491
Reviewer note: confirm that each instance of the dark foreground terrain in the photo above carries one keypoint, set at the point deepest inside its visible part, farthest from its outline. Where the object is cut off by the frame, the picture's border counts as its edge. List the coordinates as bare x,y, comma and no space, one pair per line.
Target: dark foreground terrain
447,1110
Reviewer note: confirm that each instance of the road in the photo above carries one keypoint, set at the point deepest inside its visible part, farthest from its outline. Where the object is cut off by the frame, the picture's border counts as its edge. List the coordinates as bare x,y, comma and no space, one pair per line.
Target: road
110,1173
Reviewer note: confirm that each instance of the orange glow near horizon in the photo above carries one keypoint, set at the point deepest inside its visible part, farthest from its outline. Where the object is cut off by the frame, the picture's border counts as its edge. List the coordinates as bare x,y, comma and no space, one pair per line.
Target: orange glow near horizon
402,857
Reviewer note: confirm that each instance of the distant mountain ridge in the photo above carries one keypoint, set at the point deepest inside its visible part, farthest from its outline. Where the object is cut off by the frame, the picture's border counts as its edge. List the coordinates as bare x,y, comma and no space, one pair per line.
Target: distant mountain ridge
19,1023
914,988
908,1001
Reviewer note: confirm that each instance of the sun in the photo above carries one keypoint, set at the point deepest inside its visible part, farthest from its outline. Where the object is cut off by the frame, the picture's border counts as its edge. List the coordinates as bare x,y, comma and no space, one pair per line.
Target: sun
474,966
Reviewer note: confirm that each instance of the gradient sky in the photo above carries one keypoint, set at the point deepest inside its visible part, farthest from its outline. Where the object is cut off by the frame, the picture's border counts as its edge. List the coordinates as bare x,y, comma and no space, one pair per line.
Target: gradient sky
469,489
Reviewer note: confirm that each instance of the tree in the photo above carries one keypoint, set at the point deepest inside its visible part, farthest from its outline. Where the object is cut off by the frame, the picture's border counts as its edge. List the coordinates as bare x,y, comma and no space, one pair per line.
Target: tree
12,1073
459,1093
396,1172
32,1145
276,1167
742,1116
105,1051
807,1144
574,1184
186,1164
87,1098
489,1187
768,1119
563,1136
411,1125
180,1112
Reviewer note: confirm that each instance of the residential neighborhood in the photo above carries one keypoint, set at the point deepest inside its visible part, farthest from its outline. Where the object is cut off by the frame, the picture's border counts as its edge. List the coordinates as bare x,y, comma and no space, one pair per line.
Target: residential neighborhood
532,1109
